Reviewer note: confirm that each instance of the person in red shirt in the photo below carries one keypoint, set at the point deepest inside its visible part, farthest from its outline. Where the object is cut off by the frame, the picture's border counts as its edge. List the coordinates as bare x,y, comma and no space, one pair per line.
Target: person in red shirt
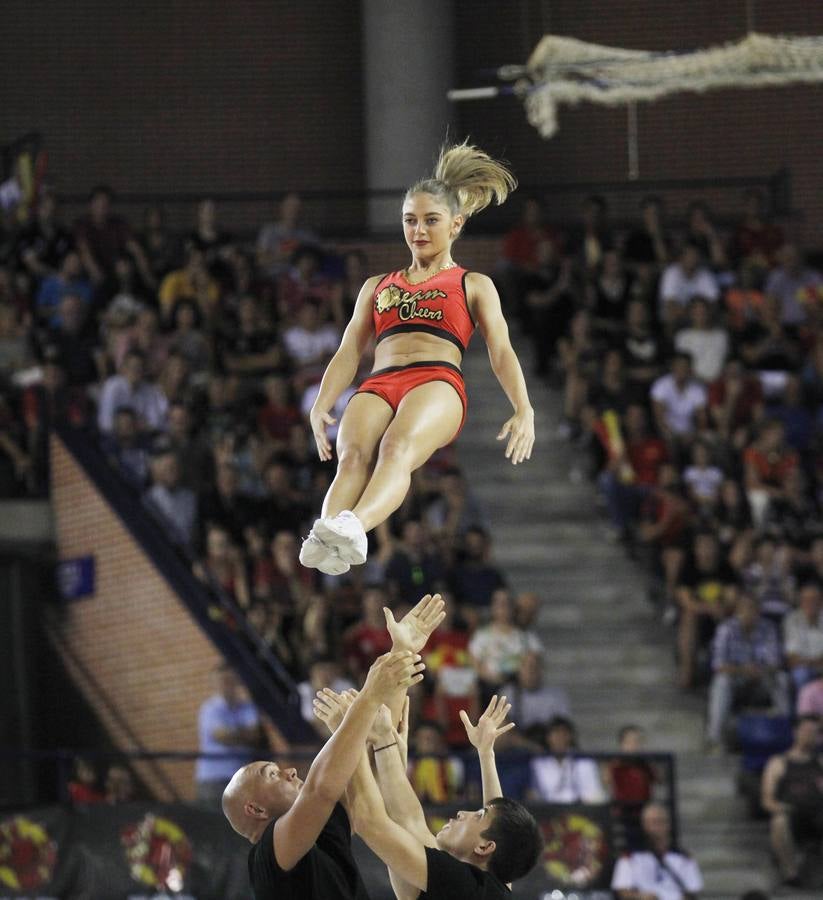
735,404
767,463
631,781
632,469
82,787
414,400
368,638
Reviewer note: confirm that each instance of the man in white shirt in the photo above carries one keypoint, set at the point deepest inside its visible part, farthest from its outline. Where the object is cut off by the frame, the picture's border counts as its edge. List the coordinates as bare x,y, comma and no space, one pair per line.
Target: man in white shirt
707,344
683,280
561,776
679,402
803,636
130,389
659,872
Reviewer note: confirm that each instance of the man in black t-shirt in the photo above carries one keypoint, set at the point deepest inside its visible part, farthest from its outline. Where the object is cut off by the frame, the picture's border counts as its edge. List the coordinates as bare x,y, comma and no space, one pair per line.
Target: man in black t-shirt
299,830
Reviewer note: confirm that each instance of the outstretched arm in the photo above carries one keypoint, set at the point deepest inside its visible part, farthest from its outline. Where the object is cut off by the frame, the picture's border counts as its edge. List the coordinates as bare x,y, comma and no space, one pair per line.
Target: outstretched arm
296,831
484,303
482,736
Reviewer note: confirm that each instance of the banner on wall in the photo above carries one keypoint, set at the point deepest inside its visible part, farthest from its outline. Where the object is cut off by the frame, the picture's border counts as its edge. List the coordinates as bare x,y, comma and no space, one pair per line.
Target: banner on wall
143,851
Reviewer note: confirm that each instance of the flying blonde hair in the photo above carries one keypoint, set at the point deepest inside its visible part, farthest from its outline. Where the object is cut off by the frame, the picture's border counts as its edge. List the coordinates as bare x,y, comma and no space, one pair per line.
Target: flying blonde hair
467,178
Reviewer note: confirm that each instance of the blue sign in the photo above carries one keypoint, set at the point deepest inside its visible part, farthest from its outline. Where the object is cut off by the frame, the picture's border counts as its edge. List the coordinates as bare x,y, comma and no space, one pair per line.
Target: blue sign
76,577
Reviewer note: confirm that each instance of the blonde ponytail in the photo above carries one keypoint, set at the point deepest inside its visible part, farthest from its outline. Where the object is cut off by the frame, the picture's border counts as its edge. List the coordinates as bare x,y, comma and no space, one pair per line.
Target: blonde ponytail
467,178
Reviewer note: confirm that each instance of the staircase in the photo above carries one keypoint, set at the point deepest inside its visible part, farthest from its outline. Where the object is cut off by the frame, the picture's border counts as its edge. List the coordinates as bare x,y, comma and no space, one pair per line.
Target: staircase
604,641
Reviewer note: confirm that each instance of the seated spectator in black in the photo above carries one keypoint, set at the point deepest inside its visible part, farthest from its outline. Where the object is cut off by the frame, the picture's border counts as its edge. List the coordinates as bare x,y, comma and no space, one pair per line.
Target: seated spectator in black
767,344
124,286
283,507
498,647
16,475
747,664
610,390
145,337
192,450
769,578
222,566
679,401
187,337
593,237
435,776
735,404
43,243
793,796
414,564
130,388
474,579
563,776
702,480
631,782
274,628
607,296
803,636
280,577
792,410
45,404
347,287
533,703
102,237
368,637
794,515
706,342
225,504
323,671
279,412
119,786
701,231
642,346
547,303
321,629
301,452
756,240
75,343
194,282
213,242
250,349
69,279
580,354
705,596
303,281
127,449
175,506
648,244
732,516
631,470
160,245
278,240
451,508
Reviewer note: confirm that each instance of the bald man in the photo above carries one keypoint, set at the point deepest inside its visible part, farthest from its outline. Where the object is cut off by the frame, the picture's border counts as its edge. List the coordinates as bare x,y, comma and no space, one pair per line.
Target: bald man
300,831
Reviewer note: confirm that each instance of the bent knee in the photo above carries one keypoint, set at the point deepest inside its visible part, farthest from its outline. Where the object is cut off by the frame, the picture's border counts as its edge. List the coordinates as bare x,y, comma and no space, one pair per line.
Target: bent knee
354,457
395,448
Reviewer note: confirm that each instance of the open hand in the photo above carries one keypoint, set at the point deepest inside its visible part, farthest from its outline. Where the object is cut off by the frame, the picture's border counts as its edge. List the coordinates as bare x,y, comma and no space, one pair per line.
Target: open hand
489,726
414,629
330,707
520,430
392,672
319,422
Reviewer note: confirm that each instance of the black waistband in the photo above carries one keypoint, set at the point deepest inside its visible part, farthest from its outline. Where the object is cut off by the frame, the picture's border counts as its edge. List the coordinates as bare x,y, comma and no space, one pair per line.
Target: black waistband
426,364
430,329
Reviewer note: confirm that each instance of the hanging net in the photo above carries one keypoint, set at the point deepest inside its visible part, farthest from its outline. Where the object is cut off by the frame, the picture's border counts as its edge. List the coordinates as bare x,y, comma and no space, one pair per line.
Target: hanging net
565,70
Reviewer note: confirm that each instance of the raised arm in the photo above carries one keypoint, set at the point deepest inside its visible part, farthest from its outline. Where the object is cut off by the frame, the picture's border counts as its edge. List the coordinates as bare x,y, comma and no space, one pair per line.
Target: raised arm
297,830
482,736
342,367
484,304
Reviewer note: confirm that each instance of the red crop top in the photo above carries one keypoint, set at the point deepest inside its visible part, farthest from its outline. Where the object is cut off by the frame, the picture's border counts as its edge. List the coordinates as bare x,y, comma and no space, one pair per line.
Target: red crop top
437,306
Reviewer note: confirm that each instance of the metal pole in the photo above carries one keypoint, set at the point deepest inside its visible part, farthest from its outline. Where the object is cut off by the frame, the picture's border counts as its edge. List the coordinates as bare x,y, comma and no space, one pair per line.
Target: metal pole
632,148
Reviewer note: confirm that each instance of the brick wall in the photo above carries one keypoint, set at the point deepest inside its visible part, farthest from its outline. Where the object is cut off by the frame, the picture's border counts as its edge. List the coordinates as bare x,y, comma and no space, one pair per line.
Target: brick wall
134,651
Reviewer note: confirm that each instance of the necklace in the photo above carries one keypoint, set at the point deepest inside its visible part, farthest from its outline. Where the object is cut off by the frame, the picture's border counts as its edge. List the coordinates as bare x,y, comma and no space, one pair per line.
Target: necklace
450,265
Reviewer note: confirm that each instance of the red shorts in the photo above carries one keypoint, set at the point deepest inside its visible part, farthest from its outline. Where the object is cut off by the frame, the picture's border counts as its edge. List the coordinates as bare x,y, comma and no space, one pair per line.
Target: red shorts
392,384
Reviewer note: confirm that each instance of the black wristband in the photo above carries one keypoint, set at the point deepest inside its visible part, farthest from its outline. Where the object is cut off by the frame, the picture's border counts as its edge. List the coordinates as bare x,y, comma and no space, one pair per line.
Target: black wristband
378,749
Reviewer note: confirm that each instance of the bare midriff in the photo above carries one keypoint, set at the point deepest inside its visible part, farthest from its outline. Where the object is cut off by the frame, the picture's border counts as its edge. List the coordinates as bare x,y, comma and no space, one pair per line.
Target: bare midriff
404,349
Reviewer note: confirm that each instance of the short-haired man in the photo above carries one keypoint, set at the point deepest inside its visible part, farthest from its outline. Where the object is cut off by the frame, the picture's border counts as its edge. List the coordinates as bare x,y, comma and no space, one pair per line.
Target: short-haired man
659,872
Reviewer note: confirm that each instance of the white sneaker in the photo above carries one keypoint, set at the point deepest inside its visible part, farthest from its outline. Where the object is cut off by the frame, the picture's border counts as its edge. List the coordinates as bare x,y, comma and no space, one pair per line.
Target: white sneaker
346,534
314,554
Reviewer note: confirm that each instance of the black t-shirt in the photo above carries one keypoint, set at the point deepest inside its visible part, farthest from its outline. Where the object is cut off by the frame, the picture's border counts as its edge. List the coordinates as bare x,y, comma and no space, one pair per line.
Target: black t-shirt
326,872
450,879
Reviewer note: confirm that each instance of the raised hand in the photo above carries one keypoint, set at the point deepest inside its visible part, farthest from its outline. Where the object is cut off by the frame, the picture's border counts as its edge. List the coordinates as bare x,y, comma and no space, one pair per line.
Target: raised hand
330,707
392,672
489,726
415,628
520,431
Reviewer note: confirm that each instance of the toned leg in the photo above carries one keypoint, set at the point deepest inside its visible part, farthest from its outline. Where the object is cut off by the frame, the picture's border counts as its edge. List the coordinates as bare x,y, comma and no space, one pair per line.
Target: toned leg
780,832
427,418
364,422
